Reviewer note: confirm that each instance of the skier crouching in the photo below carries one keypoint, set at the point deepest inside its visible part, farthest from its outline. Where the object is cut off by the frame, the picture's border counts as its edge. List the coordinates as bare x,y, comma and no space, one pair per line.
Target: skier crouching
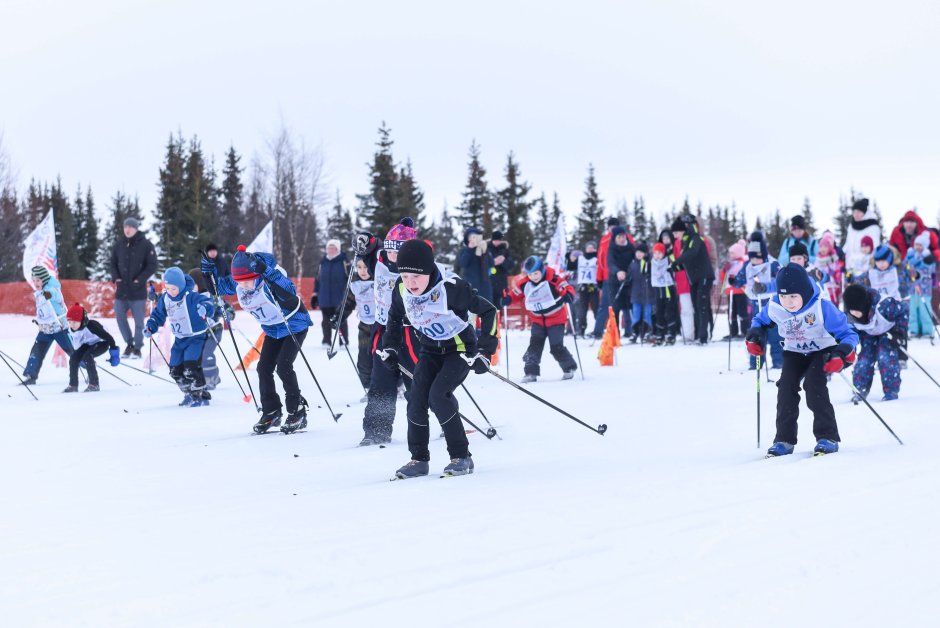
89,340
817,341
437,305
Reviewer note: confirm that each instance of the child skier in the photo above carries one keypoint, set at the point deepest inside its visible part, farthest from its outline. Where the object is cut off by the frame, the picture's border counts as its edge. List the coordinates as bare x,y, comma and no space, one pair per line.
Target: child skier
210,364
757,279
857,264
437,304
666,316
89,339
818,341
878,320
800,257
920,266
186,311
829,267
588,291
884,277
363,290
271,298
737,299
50,316
642,296
546,298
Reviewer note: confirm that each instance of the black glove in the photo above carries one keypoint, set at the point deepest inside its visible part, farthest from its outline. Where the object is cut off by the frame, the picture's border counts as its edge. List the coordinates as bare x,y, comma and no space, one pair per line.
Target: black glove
487,344
256,264
389,359
207,266
47,294
758,288
479,363
314,302
364,243
568,298
675,267
929,258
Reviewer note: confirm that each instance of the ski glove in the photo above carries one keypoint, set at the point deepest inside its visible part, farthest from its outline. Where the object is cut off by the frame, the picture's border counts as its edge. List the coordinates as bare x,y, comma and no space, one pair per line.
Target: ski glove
364,243
114,356
479,363
929,258
755,340
206,265
47,295
838,358
758,288
567,298
147,332
256,264
389,359
487,344
201,310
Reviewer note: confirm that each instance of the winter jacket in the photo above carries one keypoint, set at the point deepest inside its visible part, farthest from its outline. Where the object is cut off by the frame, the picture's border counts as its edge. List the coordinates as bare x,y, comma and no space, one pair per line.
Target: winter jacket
638,281
921,272
476,270
91,333
857,262
133,260
695,259
682,279
900,240
559,289
331,280
51,307
834,322
891,309
276,289
461,299
602,272
811,244
499,275
619,259
193,301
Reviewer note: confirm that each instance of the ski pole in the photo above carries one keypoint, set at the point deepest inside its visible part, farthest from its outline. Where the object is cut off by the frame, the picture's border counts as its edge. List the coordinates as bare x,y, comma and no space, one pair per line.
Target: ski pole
8,357
600,429
506,335
13,370
490,433
120,379
245,396
342,309
221,305
480,410
758,402
574,335
729,328
160,351
353,362
909,357
153,375
873,411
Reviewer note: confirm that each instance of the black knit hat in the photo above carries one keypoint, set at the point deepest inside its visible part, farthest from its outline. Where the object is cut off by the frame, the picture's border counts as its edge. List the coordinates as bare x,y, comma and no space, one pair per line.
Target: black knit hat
857,297
798,221
497,235
798,248
613,221
861,205
793,279
678,225
416,256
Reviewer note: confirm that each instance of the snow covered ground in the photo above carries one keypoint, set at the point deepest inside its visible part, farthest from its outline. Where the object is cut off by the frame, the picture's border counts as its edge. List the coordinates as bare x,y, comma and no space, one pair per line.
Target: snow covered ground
121,509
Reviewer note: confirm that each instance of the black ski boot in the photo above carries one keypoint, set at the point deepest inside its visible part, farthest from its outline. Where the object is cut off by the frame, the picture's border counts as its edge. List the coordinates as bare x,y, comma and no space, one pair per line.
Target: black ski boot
458,466
412,469
296,420
267,421
92,388
28,381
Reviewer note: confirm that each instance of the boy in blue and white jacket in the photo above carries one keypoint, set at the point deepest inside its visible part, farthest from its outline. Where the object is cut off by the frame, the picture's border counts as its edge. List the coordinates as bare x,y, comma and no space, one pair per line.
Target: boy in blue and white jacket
271,298
187,312
50,316
817,341
757,279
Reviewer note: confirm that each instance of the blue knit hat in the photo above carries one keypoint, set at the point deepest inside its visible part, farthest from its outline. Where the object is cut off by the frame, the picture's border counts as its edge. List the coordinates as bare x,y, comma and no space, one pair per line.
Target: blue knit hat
884,252
174,276
793,279
533,264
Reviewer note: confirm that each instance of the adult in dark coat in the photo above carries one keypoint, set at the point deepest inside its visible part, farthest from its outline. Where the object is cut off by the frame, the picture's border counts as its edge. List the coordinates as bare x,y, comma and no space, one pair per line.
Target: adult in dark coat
133,260
502,266
620,255
221,262
476,263
331,289
698,266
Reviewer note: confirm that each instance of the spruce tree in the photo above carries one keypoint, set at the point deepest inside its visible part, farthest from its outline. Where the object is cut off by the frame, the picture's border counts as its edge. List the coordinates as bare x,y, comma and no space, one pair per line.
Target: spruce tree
339,225
230,217
444,238
68,263
410,198
542,234
171,229
640,222
513,203
380,207
591,218
476,209
11,234
200,205
86,231
121,208
257,210
807,212
776,232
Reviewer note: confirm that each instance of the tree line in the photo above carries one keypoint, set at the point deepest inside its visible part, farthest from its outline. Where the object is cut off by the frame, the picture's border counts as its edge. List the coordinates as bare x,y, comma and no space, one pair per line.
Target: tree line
198,204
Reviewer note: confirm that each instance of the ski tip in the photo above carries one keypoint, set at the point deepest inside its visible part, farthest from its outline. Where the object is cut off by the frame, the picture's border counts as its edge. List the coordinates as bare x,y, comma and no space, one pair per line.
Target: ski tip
337,416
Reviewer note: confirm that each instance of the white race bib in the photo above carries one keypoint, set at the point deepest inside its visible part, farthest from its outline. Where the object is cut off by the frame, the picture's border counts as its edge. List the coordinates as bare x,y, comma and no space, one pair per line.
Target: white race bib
45,313
429,314
802,332
761,273
660,277
874,327
177,316
364,291
384,285
587,270
83,337
257,303
539,298
885,282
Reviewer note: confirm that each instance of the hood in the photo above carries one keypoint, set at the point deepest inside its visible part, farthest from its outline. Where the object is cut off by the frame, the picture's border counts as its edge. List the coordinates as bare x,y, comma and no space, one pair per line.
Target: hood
190,287
808,304
666,232
912,215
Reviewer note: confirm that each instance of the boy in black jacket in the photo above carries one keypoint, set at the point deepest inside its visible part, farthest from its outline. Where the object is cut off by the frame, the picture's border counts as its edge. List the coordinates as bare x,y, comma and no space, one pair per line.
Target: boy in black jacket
437,307
89,340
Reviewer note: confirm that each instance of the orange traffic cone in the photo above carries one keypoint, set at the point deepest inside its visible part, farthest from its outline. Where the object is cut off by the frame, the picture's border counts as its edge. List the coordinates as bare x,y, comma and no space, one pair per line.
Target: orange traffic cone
613,328
494,360
606,353
252,355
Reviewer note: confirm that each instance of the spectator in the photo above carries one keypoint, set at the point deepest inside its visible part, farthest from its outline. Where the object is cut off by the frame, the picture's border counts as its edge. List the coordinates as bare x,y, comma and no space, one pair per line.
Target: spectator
331,290
476,264
695,260
798,233
133,260
911,226
502,266
603,275
221,264
620,254
864,224
686,311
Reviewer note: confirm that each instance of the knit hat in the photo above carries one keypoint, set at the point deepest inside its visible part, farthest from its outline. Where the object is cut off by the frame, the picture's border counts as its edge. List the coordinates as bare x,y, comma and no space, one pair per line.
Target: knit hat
757,246
400,233
130,221
860,205
798,248
333,242
828,240
884,252
678,225
416,256
659,247
532,264
643,246
613,221
590,243
241,266
867,241
41,273
799,222
469,231
174,276
793,279
738,250
857,297
76,313
211,247
618,230
923,239
497,235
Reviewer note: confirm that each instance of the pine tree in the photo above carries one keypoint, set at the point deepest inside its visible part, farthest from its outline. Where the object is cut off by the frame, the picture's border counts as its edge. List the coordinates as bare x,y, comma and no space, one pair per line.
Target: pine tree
200,205
171,203
11,233
34,207
444,238
640,222
512,202
544,228
591,218
807,212
339,224
68,263
476,210
230,218
380,208
86,231
411,198
776,232
121,208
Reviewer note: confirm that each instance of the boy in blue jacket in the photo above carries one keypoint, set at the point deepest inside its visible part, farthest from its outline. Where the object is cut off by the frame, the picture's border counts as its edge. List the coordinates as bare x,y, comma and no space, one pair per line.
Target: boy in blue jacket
50,316
271,298
817,341
186,311
757,279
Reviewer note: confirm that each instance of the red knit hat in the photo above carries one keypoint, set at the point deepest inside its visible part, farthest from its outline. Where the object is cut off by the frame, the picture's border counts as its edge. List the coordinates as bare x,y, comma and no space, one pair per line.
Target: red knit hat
867,241
659,247
241,270
75,313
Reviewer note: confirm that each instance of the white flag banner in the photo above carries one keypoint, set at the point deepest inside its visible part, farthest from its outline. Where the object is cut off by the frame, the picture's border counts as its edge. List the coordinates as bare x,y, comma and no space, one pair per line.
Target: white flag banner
264,243
39,248
558,250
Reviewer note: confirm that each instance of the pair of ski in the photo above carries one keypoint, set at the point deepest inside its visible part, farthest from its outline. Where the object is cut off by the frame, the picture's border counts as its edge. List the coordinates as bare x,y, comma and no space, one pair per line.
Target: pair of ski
816,454
442,476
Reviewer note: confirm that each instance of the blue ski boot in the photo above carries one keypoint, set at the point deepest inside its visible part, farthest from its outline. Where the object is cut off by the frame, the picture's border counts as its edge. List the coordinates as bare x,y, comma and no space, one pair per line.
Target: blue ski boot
200,398
890,397
779,449
825,446
458,466
187,400
412,469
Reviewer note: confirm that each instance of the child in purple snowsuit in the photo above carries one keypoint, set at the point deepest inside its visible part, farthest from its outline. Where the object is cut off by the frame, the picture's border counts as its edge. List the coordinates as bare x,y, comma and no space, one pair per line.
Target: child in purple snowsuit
880,322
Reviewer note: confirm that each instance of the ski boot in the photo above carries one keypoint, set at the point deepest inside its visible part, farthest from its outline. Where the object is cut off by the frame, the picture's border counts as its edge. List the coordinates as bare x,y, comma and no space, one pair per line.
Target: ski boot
529,378
890,397
28,381
70,389
187,400
634,337
296,420
267,421
825,446
858,397
568,375
670,340
779,449
92,388
458,466
200,398
367,441
412,469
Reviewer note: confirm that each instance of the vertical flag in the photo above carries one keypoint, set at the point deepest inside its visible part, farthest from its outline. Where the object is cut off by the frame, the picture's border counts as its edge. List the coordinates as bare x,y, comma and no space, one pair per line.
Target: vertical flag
39,248
557,252
264,243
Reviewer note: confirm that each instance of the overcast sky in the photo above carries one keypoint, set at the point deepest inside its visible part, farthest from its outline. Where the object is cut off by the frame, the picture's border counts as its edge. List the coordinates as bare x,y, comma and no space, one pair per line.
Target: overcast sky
721,101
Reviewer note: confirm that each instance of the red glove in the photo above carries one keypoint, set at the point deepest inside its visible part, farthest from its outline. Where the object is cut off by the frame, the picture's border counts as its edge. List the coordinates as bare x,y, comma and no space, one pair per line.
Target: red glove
838,359
754,342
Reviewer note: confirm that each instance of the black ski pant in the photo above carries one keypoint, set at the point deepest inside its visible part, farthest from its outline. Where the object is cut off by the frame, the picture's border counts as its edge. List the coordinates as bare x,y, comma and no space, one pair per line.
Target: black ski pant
620,301
666,317
437,375
701,291
588,299
85,356
279,354
327,327
364,357
739,306
556,343
379,417
807,369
